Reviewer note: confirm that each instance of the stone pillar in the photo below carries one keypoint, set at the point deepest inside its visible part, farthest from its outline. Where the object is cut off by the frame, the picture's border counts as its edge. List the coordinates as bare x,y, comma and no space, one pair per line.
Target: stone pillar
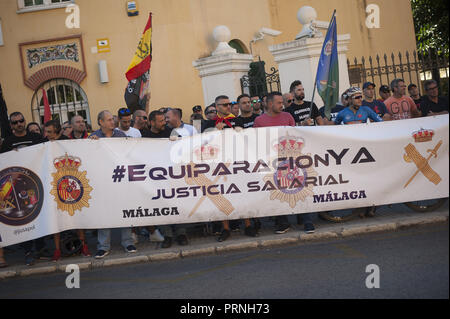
221,72
298,59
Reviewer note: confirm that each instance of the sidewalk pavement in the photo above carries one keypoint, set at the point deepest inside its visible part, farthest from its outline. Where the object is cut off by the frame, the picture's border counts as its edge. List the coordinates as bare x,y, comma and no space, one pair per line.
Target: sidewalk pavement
387,218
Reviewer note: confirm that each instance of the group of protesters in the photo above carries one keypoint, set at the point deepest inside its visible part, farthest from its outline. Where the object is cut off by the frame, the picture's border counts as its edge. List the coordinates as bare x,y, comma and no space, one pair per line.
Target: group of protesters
357,105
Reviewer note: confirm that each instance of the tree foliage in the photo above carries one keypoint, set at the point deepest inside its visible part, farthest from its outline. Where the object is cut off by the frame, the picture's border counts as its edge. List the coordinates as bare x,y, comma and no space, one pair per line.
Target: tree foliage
431,25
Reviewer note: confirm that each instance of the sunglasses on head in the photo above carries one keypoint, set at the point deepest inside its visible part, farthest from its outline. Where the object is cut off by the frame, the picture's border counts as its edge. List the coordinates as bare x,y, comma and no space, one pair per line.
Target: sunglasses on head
18,121
124,111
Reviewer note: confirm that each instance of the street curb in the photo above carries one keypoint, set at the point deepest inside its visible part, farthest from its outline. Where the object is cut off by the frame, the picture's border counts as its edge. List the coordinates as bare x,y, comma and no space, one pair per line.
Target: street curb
257,243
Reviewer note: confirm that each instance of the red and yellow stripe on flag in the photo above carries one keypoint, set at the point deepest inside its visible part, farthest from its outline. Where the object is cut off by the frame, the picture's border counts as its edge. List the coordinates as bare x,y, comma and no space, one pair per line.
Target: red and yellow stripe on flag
143,56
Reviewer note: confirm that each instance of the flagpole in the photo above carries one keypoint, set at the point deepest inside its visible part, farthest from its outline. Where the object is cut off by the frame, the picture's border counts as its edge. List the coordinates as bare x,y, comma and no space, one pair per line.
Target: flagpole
315,80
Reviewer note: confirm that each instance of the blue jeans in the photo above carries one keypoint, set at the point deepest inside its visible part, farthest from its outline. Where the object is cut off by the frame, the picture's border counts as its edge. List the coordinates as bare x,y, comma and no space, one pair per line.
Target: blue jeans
104,238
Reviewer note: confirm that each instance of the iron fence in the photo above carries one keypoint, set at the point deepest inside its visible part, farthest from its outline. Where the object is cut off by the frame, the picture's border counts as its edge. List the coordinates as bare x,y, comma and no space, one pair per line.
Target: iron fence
413,68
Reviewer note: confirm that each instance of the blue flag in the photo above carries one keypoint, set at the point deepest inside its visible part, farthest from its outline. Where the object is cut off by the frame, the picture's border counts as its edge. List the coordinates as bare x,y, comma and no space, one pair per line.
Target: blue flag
327,80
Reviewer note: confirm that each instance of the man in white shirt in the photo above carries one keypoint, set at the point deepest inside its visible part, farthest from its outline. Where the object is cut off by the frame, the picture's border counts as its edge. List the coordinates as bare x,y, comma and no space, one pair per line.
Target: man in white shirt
173,118
124,115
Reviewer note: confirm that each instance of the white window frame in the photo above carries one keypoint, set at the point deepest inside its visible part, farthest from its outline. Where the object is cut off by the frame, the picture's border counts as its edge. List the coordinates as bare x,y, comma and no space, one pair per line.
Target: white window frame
47,5
1,34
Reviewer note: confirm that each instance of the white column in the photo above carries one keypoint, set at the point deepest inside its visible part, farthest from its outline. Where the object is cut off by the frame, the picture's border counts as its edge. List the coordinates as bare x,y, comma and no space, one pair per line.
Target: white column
298,60
221,75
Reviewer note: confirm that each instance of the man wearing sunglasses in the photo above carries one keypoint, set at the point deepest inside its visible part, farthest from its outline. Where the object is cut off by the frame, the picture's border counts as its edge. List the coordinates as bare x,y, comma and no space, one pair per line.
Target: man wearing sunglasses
20,137
211,112
224,119
140,120
256,105
356,113
432,103
288,99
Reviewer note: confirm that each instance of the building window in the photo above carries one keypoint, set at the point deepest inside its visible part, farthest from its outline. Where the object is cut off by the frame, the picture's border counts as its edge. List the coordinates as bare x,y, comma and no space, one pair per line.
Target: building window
35,5
239,46
66,99
1,33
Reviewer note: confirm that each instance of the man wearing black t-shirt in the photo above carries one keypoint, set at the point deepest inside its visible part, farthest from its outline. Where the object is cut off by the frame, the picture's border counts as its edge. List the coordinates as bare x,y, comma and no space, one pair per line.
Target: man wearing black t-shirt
224,119
432,103
247,116
301,110
158,128
19,139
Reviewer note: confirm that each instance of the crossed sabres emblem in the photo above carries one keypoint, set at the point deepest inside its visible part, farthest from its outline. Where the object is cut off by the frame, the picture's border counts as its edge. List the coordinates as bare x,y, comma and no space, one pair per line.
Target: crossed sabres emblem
223,204
413,155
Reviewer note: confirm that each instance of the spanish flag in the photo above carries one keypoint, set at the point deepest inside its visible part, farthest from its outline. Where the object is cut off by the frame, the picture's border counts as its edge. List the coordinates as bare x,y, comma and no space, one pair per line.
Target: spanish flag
143,56
6,188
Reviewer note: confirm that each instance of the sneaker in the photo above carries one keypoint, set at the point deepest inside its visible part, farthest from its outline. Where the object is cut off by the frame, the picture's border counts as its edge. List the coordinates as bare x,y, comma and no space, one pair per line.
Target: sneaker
101,253
130,249
56,255
224,235
29,260
251,231
167,242
309,228
156,236
182,240
85,251
234,225
281,229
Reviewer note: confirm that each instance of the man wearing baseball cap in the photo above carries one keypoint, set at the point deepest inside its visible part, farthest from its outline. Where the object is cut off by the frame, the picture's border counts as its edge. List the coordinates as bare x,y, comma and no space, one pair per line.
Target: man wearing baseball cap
385,93
369,100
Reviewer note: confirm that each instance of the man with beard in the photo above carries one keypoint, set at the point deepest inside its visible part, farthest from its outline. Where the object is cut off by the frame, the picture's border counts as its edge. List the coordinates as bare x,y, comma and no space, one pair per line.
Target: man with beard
256,105
124,115
247,116
19,139
288,98
224,119
158,128
140,120
304,112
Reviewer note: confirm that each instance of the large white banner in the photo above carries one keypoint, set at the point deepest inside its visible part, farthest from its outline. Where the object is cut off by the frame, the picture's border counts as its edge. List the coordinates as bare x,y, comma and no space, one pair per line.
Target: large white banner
108,183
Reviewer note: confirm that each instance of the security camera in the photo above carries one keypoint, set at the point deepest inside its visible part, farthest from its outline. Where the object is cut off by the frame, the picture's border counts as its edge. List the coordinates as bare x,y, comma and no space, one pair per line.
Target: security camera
269,31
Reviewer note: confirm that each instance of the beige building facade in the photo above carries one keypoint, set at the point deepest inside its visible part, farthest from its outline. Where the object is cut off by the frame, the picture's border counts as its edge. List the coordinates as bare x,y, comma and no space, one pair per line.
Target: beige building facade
42,45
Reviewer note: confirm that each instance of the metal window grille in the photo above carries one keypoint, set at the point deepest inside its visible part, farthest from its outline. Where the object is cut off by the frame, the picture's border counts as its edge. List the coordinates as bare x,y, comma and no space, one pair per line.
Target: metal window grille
66,99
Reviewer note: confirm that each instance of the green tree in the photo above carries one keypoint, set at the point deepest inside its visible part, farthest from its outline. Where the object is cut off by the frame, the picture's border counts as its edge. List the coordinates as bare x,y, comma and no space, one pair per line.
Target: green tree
431,26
